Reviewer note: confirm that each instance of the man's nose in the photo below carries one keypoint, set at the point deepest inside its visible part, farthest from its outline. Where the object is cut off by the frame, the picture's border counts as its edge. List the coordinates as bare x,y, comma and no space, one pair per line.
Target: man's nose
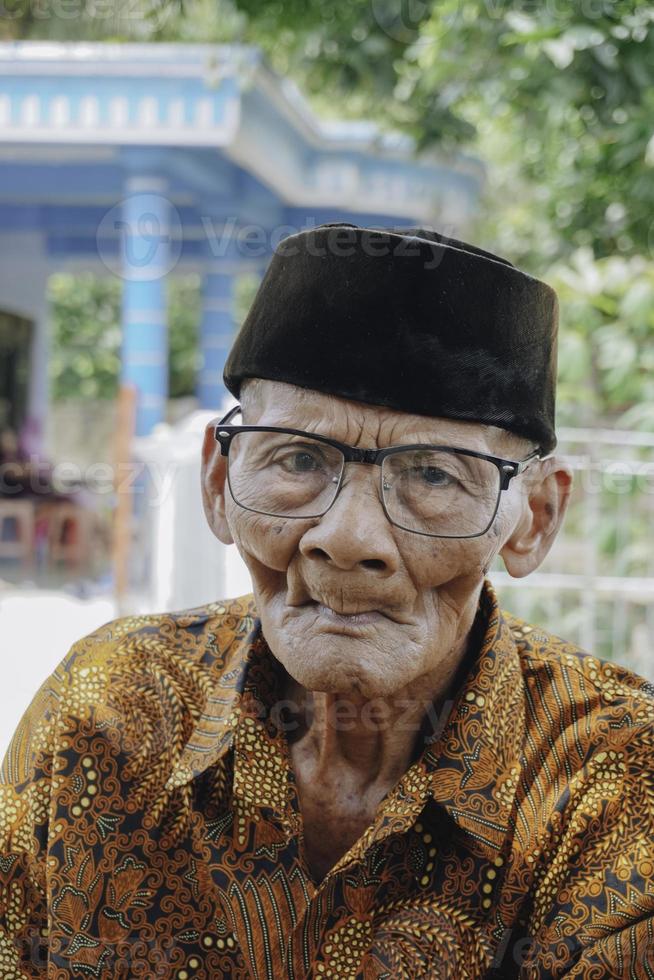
355,529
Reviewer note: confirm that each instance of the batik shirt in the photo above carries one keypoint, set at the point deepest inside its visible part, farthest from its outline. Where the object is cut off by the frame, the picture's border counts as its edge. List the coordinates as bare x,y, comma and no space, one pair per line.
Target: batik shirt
150,824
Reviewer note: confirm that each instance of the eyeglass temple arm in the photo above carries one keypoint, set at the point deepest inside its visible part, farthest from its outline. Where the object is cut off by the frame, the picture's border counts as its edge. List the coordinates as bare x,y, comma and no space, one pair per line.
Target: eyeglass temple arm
528,460
230,415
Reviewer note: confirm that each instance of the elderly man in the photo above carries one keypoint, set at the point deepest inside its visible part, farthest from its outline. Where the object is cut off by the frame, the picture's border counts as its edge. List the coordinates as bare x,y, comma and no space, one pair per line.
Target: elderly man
365,768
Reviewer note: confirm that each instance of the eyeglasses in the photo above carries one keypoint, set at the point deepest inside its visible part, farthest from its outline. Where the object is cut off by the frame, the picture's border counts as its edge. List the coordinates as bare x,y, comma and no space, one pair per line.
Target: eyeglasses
438,491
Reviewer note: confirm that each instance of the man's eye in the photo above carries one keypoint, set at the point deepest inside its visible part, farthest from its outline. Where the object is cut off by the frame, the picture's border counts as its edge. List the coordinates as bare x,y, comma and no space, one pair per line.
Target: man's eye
300,462
434,476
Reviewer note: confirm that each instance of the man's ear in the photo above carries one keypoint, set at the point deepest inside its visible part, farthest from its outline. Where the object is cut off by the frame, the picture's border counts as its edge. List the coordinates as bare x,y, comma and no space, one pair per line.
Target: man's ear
214,487
544,504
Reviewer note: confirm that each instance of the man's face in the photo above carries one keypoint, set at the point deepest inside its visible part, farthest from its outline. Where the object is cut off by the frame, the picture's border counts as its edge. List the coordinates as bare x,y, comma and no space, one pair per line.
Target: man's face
352,559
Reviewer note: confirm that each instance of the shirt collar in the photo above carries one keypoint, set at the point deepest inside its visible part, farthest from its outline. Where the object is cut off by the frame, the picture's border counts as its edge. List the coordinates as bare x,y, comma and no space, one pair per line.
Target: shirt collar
473,765
234,640
470,768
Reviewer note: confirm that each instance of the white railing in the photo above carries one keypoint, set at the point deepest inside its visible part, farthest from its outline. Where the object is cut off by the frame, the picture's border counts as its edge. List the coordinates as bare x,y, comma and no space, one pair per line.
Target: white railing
596,587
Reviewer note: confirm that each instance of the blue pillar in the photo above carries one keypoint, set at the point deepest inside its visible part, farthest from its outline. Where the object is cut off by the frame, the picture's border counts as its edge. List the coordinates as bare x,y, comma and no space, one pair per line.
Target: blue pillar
146,259
217,329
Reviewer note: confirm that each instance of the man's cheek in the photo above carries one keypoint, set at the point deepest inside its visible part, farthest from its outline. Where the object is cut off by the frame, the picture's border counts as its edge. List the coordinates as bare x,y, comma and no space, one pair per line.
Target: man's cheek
264,544
437,561
446,585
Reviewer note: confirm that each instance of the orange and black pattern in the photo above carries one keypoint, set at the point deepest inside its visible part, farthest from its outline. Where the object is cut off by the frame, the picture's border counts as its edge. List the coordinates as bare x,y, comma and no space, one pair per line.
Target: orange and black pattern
150,827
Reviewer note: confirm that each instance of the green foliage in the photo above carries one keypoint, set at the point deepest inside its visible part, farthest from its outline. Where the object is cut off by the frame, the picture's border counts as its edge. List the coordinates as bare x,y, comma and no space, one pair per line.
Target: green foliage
183,334
572,86
606,345
562,93
85,360
85,357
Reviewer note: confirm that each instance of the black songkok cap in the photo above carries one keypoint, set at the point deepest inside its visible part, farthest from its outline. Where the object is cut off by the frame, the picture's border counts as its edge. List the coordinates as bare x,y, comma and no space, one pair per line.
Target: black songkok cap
408,319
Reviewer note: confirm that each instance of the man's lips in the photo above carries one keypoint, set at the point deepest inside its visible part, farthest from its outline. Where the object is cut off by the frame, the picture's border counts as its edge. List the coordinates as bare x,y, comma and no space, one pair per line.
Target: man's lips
360,618
345,617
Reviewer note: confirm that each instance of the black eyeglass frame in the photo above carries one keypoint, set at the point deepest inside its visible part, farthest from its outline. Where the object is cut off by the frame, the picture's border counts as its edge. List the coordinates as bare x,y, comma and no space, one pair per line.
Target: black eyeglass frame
508,468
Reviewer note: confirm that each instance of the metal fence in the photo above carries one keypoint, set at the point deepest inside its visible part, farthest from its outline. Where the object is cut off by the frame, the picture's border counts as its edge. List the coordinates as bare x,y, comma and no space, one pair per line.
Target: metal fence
596,586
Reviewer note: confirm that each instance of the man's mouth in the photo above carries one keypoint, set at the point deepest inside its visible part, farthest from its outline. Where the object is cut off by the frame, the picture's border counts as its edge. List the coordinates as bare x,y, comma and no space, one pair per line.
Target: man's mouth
361,617
367,613
375,610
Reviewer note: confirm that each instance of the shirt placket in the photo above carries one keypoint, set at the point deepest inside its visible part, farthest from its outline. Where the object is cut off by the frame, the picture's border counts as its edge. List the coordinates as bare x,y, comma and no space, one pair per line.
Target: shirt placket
332,936
269,888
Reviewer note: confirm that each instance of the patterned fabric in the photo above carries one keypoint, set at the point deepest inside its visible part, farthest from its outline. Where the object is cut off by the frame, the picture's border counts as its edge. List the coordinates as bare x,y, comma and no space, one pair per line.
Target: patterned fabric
150,827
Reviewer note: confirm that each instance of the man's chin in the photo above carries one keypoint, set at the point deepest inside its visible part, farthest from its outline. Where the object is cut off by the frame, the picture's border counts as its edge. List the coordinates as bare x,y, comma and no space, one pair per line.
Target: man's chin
332,676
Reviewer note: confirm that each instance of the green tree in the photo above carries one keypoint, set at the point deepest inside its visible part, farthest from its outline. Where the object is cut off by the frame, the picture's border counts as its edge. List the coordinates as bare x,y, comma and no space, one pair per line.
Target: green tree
85,358
606,344
183,334
568,86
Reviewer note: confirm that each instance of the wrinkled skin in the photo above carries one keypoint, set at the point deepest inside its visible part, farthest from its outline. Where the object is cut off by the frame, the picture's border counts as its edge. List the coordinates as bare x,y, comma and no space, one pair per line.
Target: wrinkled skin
350,688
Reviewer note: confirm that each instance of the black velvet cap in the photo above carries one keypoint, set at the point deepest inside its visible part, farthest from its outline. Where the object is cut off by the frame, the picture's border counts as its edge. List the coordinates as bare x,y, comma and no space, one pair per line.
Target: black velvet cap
408,319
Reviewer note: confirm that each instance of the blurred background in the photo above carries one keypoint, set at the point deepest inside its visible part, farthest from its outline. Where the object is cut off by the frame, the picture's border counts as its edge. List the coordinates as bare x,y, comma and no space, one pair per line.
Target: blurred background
154,152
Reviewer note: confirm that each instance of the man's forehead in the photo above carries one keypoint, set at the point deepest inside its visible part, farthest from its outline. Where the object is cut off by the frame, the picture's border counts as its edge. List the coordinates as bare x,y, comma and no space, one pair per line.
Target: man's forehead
289,405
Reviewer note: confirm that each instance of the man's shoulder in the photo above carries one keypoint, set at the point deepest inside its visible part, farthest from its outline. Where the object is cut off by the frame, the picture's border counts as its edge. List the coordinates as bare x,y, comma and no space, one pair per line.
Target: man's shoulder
141,650
561,676
162,663
217,622
589,721
140,683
